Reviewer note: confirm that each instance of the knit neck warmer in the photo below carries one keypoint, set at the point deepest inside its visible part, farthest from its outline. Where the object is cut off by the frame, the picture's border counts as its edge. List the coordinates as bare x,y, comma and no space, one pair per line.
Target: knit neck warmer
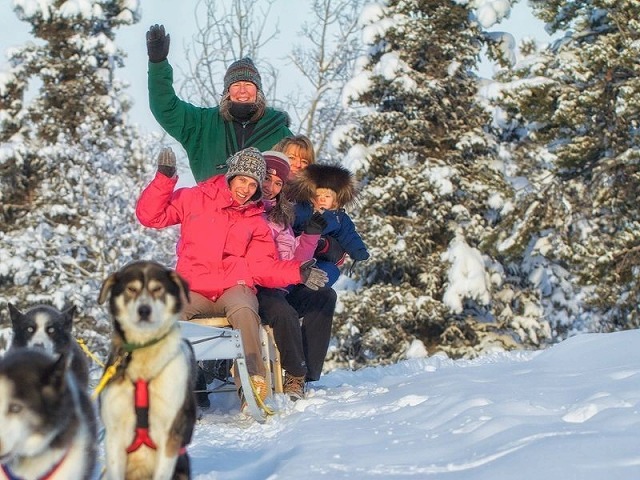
242,111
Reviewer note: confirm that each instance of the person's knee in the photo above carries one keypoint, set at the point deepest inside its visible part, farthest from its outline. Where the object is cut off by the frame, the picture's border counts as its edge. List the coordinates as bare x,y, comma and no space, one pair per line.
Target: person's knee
286,321
330,295
328,298
243,316
283,313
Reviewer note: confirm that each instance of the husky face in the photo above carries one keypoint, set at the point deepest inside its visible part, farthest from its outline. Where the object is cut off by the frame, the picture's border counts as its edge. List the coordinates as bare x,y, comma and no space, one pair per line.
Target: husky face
145,299
49,329
31,399
42,327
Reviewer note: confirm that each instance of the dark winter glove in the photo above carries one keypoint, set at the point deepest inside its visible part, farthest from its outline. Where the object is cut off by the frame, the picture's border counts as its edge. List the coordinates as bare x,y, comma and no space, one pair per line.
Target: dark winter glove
313,278
157,44
316,224
167,162
330,250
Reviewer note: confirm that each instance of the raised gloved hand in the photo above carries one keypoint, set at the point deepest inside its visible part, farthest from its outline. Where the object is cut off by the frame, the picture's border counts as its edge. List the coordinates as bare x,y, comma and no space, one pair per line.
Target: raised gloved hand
316,224
157,43
313,278
167,162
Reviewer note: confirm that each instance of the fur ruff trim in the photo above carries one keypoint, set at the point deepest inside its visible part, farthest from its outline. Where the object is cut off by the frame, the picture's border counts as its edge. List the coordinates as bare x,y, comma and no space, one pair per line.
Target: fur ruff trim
333,177
282,212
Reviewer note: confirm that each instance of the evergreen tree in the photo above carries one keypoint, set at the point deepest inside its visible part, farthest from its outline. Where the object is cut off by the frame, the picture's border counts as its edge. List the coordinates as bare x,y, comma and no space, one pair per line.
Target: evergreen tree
71,167
434,190
573,113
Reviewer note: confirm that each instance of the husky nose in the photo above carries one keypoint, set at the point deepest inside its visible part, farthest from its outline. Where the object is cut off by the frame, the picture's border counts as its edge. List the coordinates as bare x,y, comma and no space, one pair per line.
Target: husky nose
144,311
38,345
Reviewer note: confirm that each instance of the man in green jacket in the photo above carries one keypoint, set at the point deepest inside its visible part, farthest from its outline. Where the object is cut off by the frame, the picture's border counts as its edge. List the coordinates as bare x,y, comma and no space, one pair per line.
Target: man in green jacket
210,135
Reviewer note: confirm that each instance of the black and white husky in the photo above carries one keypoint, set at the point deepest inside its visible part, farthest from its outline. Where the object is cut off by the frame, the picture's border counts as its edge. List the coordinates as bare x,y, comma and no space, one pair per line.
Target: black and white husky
47,421
148,407
46,327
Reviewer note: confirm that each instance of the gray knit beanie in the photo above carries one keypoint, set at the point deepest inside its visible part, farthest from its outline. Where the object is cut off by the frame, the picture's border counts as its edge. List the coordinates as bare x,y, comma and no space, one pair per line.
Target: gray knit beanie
242,70
250,163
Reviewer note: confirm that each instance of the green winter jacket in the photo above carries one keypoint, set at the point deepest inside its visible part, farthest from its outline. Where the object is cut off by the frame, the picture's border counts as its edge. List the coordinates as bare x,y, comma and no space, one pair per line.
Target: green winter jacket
207,138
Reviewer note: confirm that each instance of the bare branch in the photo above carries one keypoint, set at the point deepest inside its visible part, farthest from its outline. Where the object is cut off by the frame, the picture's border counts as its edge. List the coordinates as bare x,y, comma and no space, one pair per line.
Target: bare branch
326,65
226,31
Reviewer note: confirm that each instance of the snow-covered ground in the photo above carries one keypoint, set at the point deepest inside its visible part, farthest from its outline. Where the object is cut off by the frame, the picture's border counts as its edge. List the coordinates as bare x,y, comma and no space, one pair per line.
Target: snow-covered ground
569,412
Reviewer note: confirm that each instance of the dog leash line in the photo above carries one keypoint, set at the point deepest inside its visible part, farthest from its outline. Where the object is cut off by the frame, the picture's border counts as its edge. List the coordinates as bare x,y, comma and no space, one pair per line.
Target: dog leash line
108,375
86,350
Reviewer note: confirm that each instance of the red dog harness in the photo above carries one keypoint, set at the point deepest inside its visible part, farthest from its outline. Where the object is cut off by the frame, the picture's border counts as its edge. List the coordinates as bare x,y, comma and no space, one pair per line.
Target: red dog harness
141,397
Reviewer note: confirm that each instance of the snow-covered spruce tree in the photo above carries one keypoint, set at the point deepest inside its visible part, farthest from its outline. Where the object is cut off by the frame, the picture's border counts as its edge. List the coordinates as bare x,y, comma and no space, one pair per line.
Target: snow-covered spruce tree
574,116
433,192
70,166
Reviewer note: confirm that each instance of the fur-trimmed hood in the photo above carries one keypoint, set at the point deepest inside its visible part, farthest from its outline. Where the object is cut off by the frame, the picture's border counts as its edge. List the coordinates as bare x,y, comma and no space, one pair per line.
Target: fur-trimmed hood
303,187
279,211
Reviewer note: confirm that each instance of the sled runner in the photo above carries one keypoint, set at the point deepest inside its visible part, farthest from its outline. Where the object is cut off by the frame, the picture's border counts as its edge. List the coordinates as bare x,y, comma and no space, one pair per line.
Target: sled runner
213,338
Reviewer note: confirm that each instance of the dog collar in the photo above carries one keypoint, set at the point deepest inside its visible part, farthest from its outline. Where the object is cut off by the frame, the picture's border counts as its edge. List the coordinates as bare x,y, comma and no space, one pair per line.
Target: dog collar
130,347
10,476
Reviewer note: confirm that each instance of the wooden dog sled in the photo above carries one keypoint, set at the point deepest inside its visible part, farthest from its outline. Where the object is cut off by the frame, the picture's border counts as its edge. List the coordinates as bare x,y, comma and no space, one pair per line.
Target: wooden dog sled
213,338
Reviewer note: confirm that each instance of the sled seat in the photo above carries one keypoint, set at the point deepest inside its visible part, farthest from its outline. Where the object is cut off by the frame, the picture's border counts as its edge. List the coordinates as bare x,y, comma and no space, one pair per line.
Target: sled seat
270,353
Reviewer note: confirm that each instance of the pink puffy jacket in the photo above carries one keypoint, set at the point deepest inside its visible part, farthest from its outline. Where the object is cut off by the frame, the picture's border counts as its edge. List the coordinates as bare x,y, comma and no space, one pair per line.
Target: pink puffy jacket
221,244
288,245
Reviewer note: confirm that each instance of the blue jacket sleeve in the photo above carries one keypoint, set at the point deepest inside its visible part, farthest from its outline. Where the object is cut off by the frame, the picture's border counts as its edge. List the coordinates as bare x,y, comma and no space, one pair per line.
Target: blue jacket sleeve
350,239
303,211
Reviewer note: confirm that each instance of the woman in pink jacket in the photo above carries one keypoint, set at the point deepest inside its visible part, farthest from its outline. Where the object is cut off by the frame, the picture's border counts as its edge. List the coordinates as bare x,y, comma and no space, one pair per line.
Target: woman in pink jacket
225,247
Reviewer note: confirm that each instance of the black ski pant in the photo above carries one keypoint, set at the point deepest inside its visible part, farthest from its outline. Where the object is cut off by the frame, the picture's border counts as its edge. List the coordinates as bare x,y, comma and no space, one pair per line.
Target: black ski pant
302,348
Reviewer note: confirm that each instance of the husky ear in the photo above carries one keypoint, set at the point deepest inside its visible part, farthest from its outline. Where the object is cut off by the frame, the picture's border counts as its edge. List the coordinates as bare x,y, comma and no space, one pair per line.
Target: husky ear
182,285
106,288
15,314
67,317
